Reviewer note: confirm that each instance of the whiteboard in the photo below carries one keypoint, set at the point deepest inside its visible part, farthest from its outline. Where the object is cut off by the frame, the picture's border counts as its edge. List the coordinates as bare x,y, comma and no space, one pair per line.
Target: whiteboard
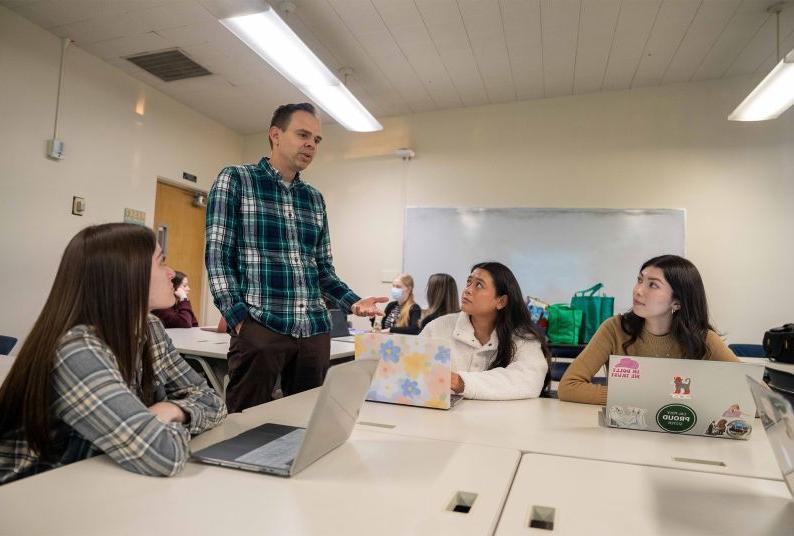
552,251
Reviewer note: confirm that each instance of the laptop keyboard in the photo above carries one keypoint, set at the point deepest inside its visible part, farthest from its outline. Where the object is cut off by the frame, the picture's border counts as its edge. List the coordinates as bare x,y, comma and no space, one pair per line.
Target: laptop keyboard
278,454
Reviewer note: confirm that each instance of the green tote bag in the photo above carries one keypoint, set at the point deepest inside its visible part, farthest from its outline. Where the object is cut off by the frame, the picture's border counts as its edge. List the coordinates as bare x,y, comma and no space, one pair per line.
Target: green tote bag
565,323
595,309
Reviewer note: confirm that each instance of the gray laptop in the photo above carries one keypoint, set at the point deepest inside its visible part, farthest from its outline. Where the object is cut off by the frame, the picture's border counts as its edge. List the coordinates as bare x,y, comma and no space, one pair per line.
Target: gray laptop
683,396
777,416
286,450
338,324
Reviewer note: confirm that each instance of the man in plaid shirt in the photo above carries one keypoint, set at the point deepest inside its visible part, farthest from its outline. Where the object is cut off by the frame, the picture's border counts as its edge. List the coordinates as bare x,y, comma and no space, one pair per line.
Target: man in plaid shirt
269,263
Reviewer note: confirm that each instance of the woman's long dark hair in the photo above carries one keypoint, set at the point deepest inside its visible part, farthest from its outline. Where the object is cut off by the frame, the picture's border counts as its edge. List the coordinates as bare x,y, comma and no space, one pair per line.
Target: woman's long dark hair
690,324
103,282
513,318
442,295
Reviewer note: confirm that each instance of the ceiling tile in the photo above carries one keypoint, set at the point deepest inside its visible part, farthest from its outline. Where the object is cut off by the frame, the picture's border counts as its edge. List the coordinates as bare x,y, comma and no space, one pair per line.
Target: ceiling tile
522,26
597,25
759,54
636,19
710,21
672,23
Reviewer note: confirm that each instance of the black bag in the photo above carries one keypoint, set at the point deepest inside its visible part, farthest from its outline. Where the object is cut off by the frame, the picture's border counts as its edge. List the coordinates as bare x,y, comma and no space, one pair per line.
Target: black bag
779,343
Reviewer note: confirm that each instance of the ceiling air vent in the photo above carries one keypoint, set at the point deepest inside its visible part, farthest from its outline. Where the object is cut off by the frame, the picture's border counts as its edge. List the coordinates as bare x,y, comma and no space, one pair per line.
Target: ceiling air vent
169,65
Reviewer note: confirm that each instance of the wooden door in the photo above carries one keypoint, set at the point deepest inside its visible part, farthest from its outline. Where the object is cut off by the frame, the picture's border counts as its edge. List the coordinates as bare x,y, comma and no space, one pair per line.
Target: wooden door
173,208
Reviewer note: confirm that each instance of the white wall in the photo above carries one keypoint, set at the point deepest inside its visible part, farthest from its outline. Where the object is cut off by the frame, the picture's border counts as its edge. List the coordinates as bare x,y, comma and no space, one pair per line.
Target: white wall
113,156
666,147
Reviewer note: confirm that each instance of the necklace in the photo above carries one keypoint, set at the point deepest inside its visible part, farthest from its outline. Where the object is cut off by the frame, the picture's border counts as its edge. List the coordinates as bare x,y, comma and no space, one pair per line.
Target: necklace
656,339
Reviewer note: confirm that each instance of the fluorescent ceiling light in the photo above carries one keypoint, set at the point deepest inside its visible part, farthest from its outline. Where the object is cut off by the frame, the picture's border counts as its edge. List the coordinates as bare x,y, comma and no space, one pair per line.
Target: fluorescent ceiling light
773,96
270,37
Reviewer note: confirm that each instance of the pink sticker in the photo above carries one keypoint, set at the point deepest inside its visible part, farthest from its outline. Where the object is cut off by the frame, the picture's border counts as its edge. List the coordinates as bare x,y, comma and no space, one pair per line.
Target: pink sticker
626,368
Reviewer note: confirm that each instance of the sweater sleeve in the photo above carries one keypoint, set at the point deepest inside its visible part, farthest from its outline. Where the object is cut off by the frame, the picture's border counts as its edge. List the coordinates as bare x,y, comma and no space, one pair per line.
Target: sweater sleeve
717,349
179,316
576,384
522,378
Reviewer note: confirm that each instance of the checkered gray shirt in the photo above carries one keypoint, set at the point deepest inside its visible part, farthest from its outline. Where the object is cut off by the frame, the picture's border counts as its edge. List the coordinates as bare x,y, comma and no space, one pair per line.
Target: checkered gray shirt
95,411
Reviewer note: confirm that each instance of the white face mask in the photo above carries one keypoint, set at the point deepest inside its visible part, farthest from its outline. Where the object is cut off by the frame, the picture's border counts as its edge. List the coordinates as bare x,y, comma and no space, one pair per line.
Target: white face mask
396,294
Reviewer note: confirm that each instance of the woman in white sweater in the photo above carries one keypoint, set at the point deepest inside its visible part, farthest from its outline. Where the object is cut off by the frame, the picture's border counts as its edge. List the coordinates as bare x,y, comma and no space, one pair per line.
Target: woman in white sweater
497,353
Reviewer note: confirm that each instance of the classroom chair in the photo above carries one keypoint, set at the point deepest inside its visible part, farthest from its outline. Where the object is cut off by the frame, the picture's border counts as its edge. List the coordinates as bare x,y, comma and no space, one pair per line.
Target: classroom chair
747,350
6,344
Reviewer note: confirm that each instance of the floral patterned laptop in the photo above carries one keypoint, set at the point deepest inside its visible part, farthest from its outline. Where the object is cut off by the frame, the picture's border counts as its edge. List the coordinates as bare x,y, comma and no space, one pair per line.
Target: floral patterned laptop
415,371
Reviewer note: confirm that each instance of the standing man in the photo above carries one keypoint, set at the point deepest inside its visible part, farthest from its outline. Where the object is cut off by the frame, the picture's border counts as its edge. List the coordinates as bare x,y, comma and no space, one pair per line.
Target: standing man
269,263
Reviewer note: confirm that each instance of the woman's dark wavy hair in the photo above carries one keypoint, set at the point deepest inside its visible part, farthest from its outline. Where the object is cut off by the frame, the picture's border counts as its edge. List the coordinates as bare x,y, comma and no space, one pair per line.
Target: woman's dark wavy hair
691,321
513,318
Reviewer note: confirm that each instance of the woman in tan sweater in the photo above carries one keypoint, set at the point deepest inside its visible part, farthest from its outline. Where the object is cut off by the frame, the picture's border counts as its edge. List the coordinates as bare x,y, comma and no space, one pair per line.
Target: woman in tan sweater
669,318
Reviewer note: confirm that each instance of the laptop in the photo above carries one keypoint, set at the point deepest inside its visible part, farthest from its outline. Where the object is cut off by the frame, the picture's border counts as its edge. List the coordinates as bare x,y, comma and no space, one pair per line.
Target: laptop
412,370
339,329
777,416
682,396
283,450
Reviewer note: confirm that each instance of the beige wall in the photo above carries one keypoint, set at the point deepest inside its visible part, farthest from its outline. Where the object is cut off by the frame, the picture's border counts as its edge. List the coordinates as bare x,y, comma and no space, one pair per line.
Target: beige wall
113,156
666,147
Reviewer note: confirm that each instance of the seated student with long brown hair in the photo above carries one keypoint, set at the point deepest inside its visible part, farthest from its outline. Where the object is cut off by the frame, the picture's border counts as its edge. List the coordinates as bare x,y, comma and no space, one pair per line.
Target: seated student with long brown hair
669,318
97,373
402,314
442,298
497,353
180,314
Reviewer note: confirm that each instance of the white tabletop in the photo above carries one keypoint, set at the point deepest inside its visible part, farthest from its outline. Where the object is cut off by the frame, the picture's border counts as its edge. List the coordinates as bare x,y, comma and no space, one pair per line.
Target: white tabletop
198,342
785,367
596,497
374,484
549,426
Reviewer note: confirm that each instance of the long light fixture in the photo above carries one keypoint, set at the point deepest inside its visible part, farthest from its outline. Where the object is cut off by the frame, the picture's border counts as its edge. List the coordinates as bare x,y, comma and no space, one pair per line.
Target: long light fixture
775,94
269,36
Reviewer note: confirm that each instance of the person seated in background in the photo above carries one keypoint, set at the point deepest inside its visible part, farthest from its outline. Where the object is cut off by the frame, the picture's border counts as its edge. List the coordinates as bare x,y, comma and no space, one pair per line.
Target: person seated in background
497,353
98,374
402,314
180,314
442,298
669,318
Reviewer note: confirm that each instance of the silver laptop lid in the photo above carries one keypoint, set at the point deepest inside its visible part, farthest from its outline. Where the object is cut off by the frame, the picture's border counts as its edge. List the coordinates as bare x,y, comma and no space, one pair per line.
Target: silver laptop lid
336,411
687,396
777,416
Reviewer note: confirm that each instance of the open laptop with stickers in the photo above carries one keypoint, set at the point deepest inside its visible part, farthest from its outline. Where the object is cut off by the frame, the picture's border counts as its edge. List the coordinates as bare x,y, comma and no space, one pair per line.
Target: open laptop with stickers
777,416
682,396
414,371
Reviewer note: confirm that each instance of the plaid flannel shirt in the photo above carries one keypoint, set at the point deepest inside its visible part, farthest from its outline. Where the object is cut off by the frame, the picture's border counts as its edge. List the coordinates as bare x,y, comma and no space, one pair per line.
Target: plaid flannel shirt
269,252
95,411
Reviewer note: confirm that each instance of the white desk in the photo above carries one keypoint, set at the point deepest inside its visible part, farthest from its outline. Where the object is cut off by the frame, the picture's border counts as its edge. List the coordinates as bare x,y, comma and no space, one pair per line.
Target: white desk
595,497
785,367
198,345
375,483
551,427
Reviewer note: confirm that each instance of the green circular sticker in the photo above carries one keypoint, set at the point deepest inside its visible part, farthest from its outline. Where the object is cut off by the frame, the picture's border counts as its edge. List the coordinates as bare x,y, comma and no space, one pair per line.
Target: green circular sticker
676,418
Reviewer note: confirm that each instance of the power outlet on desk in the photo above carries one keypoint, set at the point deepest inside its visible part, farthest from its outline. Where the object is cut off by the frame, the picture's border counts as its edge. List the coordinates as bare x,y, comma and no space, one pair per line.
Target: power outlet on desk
541,517
462,502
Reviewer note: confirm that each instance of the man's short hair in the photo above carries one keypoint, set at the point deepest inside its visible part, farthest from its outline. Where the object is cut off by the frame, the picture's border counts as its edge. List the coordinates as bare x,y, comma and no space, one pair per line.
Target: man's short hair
283,115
